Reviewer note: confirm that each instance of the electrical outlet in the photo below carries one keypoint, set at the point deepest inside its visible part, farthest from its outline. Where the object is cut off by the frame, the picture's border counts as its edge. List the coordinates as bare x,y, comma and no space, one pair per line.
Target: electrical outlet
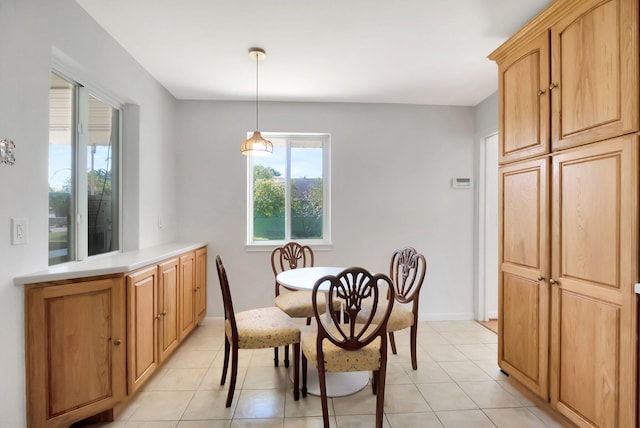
19,229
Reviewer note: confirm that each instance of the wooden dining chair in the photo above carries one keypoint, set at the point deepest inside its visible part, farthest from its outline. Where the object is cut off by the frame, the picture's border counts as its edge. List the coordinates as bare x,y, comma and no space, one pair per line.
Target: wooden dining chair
296,304
254,329
407,271
353,345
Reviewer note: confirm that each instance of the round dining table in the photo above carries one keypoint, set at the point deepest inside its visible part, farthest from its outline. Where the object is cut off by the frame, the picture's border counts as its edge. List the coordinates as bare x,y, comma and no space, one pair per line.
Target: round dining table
338,383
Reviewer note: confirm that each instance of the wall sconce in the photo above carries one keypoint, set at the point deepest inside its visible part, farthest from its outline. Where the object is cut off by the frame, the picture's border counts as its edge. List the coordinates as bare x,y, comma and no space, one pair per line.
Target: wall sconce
6,152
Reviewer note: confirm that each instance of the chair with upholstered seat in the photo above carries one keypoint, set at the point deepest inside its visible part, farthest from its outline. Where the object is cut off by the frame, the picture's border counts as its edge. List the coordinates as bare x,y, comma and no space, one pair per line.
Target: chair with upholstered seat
296,304
254,329
353,345
407,271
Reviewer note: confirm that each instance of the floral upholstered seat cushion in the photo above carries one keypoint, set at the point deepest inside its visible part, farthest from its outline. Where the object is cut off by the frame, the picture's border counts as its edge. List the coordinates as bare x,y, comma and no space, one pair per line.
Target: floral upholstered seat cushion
337,359
297,304
264,328
400,317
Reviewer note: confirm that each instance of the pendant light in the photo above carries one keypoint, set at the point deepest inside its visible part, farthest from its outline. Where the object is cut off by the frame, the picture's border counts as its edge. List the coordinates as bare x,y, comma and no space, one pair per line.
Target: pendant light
256,145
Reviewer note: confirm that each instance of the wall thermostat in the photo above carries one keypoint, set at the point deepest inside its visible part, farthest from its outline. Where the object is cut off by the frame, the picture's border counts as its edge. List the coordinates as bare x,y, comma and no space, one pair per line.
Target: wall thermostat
461,183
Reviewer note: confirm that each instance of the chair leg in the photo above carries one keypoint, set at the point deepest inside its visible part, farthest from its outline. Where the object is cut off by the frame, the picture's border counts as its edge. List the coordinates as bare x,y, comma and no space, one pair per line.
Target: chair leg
275,356
225,366
392,340
323,392
234,375
414,339
296,371
382,378
286,356
304,375
374,382
308,320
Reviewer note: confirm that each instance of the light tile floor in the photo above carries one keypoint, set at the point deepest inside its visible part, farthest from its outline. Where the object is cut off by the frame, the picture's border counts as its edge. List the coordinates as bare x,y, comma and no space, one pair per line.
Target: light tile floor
457,384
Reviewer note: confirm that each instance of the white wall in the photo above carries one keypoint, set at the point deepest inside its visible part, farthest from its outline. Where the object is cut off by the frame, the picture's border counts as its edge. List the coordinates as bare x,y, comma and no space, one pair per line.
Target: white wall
392,167
30,30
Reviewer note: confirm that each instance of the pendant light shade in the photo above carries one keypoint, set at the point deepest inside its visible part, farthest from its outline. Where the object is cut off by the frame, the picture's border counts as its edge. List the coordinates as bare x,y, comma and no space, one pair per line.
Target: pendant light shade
256,145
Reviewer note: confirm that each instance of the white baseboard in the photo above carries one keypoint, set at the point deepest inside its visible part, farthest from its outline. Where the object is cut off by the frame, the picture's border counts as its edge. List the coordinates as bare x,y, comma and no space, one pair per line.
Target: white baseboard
493,315
447,316
439,316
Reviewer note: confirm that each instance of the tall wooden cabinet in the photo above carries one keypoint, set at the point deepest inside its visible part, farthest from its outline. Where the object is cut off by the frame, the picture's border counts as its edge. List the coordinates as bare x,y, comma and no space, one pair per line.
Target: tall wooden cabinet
569,108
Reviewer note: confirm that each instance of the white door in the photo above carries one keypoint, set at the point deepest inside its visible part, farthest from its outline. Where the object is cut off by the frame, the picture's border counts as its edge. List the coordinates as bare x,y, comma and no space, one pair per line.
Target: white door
488,230
491,226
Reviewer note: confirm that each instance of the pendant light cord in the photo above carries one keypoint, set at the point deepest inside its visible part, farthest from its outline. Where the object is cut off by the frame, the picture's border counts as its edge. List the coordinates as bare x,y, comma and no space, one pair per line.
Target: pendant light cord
257,60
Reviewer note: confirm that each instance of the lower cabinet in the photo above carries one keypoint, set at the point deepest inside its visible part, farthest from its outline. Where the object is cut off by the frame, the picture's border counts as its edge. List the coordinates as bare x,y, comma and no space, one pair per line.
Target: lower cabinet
91,343
569,259
75,350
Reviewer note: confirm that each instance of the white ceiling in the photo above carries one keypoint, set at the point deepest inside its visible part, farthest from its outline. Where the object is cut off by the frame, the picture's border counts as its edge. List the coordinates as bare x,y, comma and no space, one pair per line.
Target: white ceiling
371,51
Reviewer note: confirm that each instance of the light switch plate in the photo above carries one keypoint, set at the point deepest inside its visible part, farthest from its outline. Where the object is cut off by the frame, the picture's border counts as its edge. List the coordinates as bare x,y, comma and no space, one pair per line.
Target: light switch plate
19,231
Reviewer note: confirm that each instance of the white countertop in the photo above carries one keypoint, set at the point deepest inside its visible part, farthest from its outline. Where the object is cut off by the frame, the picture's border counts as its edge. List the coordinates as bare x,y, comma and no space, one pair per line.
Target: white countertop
637,288
109,263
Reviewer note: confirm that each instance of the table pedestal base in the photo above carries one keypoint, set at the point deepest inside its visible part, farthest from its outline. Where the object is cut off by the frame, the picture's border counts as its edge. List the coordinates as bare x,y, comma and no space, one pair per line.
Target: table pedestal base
339,384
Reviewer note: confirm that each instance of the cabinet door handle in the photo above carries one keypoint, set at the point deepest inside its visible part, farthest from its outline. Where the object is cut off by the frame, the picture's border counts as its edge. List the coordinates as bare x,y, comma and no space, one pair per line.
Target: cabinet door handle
540,92
540,278
117,342
552,85
163,314
553,282
158,316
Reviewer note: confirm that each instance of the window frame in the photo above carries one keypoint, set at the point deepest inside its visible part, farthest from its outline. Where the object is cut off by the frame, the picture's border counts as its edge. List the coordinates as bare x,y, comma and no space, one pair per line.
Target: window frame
78,230
325,242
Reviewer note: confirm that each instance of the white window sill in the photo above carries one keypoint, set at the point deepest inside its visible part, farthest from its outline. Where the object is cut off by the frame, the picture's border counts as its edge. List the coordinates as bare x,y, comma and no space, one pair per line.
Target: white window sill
321,246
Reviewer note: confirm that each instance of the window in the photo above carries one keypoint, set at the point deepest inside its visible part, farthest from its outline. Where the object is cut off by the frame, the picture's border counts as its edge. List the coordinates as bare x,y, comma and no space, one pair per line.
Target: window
84,140
288,192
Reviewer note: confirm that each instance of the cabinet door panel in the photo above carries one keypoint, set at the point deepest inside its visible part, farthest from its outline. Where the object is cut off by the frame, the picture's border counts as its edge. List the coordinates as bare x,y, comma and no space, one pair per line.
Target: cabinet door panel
521,217
588,347
168,307
523,298
521,323
591,236
75,352
595,233
201,283
595,65
143,326
524,101
187,294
